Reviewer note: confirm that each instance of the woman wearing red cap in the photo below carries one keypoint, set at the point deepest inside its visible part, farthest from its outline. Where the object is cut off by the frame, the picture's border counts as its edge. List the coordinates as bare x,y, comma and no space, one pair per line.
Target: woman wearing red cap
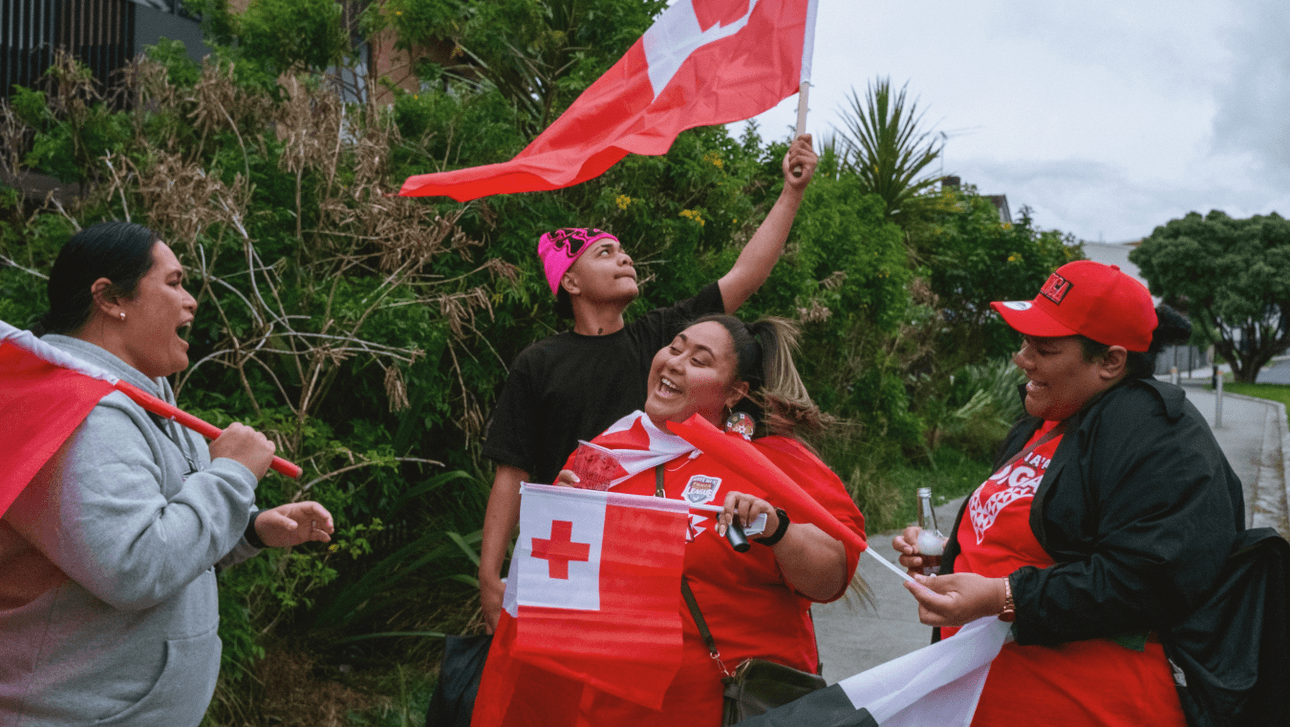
1108,518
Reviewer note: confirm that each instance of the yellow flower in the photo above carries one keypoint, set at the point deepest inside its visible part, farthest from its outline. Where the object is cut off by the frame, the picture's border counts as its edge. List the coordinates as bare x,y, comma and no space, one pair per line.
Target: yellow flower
693,215
714,159
398,12
622,201
1013,258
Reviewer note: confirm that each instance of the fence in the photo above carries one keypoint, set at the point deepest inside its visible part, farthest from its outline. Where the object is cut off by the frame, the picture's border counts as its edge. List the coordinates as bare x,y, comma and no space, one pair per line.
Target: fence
98,33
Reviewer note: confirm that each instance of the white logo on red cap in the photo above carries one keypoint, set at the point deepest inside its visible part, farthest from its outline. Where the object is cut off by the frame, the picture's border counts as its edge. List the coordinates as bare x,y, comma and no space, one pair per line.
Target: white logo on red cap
1018,304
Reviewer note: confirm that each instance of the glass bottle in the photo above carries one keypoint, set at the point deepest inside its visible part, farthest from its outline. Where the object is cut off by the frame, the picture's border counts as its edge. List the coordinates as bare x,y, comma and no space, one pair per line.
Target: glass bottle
931,544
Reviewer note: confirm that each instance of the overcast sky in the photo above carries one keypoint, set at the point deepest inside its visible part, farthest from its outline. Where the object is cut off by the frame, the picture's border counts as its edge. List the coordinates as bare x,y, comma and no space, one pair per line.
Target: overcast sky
1107,118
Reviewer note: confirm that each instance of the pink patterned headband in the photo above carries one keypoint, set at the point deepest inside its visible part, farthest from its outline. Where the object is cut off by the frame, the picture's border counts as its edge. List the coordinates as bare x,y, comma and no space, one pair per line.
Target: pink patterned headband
558,250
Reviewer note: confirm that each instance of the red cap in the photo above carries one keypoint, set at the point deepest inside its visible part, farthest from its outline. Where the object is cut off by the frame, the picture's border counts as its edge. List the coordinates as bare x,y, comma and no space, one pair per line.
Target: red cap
1089,299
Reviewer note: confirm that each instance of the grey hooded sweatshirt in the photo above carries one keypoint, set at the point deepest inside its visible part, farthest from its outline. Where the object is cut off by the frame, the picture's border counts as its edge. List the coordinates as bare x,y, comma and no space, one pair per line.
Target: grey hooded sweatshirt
108,609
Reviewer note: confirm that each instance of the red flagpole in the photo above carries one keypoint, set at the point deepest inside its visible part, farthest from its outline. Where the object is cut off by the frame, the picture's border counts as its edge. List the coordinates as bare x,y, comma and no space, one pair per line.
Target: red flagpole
210,431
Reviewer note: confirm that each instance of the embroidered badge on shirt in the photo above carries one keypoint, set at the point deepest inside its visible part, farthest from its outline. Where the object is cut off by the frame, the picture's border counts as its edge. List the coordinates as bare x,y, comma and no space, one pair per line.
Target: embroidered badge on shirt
701,488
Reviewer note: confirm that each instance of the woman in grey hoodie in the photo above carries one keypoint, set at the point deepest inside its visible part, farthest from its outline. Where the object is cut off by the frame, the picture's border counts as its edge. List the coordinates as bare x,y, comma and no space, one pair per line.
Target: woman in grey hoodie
108,607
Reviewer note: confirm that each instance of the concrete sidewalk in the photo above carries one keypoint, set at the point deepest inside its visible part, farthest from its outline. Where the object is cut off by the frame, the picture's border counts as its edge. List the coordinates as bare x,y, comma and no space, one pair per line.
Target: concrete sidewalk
854,636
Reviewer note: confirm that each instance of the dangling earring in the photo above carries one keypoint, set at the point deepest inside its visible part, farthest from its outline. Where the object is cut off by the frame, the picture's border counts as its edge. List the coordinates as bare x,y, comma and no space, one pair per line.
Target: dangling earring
741,423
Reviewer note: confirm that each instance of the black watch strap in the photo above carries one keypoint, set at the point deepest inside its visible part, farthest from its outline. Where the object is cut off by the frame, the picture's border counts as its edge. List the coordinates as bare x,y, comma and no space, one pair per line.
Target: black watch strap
778,535
251,536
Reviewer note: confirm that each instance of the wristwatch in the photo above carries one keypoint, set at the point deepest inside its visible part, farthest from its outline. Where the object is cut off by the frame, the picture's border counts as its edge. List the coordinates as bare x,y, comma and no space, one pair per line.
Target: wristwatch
778,535
1009,613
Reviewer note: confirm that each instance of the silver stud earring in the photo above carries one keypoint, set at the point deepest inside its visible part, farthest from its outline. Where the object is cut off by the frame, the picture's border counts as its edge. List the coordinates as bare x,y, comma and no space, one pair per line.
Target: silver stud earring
123,316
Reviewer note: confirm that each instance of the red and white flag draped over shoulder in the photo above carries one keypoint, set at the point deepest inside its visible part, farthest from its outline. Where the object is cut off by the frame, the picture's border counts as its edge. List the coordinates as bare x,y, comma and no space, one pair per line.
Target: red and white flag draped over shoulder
702,63
45,394
43,399
591,600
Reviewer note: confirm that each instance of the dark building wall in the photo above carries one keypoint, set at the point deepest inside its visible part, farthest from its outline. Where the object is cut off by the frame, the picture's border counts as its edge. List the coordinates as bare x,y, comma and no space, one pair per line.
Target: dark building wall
96,32
102,34
152,25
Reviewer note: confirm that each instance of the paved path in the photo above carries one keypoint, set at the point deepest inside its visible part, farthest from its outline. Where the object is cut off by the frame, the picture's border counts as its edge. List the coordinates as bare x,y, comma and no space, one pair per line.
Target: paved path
854,635
1276,372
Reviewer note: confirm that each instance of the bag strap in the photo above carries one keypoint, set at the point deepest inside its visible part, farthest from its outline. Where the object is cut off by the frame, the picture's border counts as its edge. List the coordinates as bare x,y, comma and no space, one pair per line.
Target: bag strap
1052,434
688,594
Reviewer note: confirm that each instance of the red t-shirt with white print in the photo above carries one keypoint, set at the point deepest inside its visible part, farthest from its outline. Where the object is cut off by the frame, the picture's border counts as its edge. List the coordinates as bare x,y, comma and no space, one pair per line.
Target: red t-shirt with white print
1079,683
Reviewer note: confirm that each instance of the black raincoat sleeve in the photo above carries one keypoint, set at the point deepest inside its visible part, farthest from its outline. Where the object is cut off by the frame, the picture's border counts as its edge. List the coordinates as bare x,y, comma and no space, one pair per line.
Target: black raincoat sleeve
1139,512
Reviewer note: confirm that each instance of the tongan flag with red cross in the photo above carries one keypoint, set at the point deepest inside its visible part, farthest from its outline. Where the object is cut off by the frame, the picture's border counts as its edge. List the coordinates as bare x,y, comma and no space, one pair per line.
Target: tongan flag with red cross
702,63
591,600
41,403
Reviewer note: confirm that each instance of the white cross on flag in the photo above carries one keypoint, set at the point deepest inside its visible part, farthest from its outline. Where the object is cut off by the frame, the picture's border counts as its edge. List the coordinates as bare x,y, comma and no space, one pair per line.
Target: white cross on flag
702,63
597,583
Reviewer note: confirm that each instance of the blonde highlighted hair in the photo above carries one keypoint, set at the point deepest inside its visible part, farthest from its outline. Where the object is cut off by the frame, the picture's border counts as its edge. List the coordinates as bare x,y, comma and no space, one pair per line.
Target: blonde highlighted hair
777,399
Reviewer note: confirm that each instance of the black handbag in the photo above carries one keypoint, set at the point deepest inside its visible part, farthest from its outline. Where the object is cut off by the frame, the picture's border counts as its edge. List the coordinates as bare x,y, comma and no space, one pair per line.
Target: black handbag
454,696
760,685
756,685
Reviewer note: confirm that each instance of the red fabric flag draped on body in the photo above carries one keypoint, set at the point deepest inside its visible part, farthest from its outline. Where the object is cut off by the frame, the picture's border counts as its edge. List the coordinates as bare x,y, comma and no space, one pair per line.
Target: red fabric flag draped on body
756,465
45,394
41,404
704,62
594,603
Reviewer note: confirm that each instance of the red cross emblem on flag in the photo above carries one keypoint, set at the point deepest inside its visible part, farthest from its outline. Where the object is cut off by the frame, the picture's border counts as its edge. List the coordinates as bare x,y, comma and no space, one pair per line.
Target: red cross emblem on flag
559,549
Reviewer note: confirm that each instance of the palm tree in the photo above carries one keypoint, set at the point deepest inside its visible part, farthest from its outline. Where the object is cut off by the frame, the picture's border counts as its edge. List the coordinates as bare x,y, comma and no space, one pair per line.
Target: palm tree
884,145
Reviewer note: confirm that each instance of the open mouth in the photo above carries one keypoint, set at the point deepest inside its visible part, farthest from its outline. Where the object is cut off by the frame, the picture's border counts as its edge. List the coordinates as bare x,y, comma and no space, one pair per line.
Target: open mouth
667,389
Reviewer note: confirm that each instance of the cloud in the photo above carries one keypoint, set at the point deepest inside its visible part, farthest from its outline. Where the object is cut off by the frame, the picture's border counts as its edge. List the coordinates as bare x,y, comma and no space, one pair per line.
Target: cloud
1099,200
1108,118
1254,101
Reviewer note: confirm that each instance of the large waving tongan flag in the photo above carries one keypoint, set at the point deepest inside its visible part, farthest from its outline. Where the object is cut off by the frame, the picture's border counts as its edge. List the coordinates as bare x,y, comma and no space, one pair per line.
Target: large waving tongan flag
702,63
936,685
45,394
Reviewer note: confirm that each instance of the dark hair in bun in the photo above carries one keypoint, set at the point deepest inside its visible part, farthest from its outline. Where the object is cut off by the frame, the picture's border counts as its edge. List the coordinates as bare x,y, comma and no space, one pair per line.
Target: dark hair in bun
1172,329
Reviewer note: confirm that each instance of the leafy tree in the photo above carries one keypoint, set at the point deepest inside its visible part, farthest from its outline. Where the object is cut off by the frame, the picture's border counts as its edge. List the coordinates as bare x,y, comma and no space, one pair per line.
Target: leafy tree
969,258
273,37
538,55
886,147
1232,276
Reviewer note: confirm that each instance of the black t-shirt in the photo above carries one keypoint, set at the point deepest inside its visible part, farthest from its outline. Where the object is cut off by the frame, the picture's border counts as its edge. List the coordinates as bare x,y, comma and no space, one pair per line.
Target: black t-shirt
569,386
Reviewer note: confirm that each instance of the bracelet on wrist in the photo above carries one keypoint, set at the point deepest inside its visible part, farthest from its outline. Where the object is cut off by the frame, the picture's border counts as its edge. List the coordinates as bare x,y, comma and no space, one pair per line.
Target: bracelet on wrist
778,535
1009,613
251,536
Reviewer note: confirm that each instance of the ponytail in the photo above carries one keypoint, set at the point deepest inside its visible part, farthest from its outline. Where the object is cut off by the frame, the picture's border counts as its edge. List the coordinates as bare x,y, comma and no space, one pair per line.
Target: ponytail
777,399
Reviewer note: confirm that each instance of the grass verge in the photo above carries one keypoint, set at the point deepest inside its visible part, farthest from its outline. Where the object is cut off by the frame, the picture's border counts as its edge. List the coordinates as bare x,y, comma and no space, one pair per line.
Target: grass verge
1274,392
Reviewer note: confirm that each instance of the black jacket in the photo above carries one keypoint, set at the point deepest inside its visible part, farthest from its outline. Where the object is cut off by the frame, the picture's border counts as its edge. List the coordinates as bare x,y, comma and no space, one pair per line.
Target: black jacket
1141,511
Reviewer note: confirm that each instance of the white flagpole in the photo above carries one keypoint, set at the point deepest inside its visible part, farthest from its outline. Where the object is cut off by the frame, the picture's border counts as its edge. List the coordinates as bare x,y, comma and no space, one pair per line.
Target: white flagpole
803,91
802,97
